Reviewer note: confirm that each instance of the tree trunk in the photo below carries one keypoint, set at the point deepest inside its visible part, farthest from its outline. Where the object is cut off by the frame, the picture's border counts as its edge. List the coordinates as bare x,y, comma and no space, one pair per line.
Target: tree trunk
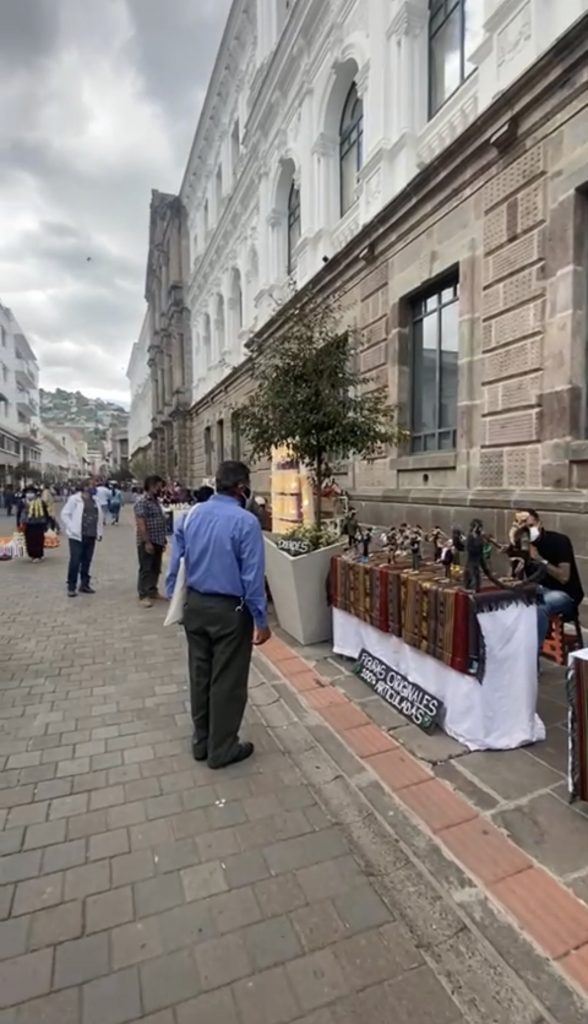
318,514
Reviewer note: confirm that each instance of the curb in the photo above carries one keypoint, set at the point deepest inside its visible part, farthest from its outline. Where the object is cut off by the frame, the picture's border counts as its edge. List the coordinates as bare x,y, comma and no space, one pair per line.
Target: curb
543,909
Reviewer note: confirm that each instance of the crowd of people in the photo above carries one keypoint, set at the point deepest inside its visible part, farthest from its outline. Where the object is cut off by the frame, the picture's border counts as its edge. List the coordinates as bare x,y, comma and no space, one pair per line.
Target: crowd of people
217,551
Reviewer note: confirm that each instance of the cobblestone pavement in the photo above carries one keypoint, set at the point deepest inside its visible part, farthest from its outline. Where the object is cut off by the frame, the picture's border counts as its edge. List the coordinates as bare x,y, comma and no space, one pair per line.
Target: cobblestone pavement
137,885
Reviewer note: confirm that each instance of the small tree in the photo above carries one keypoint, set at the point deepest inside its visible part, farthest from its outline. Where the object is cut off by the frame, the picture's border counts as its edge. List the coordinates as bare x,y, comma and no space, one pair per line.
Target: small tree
310,396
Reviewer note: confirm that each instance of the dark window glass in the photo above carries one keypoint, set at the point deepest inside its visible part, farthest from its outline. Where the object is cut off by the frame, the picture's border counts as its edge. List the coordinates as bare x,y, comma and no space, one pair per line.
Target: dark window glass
293,225
208,452
455,30
350,147
220,441
435,336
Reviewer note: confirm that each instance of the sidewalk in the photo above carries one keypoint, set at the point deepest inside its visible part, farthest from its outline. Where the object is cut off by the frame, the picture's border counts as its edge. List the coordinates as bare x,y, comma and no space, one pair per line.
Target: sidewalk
136,885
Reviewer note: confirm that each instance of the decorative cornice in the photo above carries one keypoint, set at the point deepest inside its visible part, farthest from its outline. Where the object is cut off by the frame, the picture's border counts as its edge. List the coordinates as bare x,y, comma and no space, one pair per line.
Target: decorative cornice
410,18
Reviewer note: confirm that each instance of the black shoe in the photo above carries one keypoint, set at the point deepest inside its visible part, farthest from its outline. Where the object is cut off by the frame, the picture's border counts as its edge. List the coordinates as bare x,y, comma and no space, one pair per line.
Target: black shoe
199,750
72,593
242,752
87,590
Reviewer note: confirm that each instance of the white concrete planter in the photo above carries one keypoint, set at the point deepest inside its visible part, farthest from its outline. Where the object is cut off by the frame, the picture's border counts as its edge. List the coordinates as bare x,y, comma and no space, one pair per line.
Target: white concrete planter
299,591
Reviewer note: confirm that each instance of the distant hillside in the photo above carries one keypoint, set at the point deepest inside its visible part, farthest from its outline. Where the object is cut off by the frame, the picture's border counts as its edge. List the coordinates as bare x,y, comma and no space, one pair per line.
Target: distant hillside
72,408
92,416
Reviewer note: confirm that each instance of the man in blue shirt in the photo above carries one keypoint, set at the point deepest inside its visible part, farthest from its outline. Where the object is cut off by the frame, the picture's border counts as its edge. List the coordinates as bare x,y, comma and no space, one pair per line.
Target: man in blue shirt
225,612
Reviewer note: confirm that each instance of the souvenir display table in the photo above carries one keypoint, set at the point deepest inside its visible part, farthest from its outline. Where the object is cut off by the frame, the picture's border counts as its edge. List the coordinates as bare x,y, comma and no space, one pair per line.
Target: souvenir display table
476,653
577,694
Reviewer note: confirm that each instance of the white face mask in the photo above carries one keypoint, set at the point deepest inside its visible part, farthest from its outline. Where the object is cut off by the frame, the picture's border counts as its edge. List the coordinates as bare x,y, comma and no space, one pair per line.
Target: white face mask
534,533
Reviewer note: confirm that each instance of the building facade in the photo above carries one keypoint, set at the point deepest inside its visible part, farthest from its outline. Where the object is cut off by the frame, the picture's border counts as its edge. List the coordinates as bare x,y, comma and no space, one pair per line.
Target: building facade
19,401
169,341
459,253
141,407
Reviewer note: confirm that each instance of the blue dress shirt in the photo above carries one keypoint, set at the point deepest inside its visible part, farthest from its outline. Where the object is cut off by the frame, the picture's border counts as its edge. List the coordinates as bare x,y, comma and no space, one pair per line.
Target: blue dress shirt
222,547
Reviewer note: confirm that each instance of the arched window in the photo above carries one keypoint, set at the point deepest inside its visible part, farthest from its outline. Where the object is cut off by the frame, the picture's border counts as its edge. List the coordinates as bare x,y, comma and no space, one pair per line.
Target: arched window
350,147
293,225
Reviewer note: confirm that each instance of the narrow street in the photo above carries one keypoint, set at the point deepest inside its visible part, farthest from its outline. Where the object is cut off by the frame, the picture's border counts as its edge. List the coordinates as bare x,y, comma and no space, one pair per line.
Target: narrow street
136,885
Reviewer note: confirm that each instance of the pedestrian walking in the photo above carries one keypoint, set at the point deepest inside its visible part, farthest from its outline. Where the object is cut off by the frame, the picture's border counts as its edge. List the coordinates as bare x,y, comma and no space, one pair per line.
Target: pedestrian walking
151,540
114,504
103,496
83,522
225,612
34,519
49,500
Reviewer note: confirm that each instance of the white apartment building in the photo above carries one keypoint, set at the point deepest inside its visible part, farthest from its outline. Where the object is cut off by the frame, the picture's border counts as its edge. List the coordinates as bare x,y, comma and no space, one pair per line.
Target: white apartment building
141,408
317,115
19,399
60,455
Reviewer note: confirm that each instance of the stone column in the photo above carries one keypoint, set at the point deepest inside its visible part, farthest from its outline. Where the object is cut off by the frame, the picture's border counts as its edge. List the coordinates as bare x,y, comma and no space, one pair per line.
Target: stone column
326,181
408,29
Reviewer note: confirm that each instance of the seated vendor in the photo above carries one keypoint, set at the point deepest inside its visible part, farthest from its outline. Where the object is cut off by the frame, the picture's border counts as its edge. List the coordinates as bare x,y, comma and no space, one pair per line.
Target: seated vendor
561,585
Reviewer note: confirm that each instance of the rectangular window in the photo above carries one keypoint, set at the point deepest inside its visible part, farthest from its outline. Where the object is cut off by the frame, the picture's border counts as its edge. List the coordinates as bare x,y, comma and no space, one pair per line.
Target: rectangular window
434,368
235,437
235,147
220,441
208,451
218,185
455,30
3,335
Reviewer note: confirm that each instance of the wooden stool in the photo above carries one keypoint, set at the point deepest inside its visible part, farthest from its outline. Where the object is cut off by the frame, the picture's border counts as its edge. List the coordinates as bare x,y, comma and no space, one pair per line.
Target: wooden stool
559,642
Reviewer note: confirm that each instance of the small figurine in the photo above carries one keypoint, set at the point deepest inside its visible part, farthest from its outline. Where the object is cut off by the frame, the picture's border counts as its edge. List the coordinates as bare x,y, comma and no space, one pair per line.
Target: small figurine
436,538
415,545
451,551
476,560
366,539
351,528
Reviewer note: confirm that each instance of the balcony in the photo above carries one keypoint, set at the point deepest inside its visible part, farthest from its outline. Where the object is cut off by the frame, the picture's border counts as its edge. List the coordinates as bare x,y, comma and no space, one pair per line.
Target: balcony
24,378
25,406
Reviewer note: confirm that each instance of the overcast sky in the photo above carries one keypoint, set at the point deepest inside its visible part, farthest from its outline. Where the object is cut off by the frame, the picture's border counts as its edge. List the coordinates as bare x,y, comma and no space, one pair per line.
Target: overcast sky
99,101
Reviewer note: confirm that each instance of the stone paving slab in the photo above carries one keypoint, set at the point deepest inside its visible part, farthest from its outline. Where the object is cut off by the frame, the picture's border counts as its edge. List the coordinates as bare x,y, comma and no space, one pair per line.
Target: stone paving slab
136,885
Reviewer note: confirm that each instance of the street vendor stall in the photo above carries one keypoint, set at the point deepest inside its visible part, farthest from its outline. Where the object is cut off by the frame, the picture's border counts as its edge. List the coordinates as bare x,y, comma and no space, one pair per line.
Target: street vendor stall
441,654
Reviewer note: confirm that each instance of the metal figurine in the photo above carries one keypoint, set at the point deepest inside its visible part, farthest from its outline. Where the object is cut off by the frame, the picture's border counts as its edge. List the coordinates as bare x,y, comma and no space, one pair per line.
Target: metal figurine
366,539
351,528
415,543
476,563
436,539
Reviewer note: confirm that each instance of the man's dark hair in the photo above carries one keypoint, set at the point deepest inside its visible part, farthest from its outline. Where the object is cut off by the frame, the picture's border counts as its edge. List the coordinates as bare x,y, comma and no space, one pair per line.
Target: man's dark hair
532,512
229,475
151,481
203,493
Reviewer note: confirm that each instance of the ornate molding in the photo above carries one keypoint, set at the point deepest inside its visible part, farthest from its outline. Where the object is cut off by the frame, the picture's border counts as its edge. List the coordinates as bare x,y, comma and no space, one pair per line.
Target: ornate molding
514,36
410,18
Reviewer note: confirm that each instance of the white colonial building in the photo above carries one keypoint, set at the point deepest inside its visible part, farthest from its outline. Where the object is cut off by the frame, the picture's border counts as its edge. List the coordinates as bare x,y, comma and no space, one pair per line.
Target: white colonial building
19,400
139,377
318,114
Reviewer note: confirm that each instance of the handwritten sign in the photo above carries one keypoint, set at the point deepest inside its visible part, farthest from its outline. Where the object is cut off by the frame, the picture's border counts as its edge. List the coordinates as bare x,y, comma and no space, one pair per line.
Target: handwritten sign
409,699
294,546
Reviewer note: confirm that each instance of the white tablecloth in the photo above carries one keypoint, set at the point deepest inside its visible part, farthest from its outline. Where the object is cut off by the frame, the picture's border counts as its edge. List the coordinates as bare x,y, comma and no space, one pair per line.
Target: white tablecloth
497,714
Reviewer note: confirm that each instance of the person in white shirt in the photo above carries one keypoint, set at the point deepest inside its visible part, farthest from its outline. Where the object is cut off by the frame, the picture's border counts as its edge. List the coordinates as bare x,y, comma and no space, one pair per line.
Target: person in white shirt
83,522
103,498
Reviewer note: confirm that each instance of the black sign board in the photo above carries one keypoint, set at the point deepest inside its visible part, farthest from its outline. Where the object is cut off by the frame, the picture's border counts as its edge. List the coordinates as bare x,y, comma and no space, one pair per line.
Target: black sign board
294,546
409,699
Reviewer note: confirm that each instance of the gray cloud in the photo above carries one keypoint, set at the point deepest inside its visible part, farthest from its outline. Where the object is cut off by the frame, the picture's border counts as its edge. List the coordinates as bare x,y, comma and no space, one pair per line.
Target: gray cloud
98,103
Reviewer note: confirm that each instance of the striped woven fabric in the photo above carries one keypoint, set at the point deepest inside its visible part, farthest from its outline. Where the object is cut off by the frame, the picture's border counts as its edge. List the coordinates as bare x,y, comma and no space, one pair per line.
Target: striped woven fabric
430,612
577,693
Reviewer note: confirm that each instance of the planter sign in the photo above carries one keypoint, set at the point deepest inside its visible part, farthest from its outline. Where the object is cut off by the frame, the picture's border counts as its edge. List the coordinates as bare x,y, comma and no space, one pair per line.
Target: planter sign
294,546
410,700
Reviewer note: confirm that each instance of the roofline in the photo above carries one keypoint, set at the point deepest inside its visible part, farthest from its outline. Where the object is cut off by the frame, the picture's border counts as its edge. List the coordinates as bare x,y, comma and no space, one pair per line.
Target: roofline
234,14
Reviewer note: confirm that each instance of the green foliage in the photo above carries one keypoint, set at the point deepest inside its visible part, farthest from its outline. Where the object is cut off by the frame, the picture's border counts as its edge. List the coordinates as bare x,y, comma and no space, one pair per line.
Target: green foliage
310,395
317,536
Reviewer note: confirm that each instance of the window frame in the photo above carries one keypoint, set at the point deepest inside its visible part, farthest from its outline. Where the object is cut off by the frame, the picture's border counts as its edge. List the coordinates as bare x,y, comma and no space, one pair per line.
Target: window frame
448,7
449,281
350,136
208,451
